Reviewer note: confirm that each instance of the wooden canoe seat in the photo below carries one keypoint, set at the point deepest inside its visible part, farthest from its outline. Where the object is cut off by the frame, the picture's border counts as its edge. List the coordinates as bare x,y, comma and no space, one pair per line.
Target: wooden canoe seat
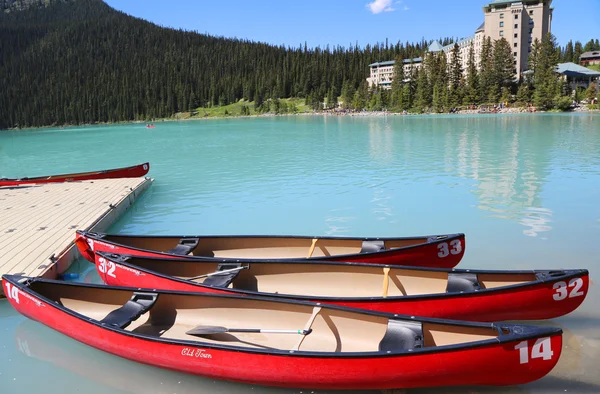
224,279
185,246
459,282
135,307
372,246
402,335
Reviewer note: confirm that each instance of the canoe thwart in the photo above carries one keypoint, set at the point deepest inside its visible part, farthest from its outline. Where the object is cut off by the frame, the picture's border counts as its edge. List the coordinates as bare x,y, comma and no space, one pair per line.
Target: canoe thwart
372,246
139,304
462,281
185,246
386,280
312,247
402,335
308,325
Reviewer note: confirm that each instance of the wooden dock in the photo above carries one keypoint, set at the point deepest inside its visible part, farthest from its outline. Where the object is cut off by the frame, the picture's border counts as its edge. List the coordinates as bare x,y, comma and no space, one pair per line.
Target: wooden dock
38,222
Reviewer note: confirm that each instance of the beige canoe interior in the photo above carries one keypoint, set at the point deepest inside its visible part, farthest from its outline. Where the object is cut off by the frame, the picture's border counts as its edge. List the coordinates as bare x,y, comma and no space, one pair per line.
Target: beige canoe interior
171,316
262,247
327,280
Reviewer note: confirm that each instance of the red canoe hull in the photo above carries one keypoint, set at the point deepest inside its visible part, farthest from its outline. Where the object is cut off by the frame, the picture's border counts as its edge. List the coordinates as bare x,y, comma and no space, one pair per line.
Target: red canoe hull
535,302
497,364
126,172
436,254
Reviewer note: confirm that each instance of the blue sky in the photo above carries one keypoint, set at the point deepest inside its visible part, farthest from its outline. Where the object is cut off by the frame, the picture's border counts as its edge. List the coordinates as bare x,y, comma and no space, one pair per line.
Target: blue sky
346,22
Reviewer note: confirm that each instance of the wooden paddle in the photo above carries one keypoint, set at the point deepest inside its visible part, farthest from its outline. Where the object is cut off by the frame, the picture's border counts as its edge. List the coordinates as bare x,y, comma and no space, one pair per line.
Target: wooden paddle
208,330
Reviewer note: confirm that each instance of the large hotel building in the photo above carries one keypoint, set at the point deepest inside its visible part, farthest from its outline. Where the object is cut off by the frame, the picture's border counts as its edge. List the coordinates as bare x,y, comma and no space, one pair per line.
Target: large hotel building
519,22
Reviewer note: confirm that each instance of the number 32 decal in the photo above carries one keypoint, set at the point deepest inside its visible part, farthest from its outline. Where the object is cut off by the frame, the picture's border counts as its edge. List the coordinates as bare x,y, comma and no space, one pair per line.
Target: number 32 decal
561,291
455,248
106,268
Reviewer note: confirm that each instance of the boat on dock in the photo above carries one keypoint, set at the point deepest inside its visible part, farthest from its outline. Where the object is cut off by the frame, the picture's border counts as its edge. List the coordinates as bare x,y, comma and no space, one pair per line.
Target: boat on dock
463,294
443,251
124,172
295,344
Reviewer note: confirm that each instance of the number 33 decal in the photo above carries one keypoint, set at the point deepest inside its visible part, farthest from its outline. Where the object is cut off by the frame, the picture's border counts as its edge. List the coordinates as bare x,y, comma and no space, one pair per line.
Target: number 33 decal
456,248
561,291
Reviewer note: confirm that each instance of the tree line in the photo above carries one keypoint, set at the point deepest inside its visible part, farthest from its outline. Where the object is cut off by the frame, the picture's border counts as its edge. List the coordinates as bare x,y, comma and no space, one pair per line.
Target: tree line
80,61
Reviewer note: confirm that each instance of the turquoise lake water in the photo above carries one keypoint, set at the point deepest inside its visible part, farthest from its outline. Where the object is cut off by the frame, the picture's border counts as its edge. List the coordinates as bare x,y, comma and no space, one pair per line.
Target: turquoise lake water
525,189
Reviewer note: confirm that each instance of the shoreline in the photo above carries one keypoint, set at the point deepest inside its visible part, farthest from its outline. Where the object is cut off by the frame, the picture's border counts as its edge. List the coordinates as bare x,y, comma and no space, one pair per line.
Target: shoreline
336,113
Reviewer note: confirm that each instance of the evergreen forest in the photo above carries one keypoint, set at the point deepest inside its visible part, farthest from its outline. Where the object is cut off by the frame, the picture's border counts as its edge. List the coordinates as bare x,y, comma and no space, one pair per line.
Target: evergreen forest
81,61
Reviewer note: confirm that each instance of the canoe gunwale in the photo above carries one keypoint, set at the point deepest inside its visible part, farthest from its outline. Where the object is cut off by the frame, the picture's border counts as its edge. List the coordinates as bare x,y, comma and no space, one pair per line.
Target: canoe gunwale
76,176
526,331
430,240
568,274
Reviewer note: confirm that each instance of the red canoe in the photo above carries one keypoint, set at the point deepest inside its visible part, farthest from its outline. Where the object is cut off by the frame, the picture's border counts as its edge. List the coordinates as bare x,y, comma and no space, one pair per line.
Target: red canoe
443,251
125,172
473,295
292,344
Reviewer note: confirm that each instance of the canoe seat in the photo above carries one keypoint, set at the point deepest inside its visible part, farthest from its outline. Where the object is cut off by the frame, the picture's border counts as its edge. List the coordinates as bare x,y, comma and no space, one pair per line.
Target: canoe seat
224,279
459,282
139,304
185,246
372,246
402,335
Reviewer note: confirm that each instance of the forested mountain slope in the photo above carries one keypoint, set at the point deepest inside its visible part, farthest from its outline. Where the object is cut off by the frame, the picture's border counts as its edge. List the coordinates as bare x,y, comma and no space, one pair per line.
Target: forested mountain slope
80,61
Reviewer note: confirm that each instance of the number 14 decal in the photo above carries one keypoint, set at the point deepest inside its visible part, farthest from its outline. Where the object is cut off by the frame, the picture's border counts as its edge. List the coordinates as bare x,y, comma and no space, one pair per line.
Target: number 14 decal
541,349
445,251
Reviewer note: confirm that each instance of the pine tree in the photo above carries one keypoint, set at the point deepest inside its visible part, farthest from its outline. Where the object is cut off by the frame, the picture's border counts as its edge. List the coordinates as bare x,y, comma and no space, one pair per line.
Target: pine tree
503,64
568,56
422,96
545,79
456,77
486,69
397,83
523,95
472,83
577,52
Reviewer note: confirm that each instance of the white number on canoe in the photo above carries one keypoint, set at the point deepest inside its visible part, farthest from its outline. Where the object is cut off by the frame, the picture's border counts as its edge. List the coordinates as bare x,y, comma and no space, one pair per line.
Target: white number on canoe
444,250
561,289
12,292
107,268
541,349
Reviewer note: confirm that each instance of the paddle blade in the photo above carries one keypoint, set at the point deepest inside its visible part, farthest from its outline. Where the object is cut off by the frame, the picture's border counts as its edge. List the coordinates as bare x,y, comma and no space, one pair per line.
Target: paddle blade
206,330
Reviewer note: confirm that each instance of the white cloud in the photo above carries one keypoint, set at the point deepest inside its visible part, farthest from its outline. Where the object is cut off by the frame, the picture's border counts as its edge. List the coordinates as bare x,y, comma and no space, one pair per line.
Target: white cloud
406,8
378,6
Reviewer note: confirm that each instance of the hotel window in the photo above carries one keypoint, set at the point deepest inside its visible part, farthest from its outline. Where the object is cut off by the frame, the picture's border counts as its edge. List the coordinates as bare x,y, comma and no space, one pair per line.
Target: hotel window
516,35
516,26
531,12
501,24
501,16
516,16
530,31
515,53
515,44
501,33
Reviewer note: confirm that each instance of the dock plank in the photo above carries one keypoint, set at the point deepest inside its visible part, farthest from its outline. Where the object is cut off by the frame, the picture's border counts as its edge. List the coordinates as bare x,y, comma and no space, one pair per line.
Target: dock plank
38,222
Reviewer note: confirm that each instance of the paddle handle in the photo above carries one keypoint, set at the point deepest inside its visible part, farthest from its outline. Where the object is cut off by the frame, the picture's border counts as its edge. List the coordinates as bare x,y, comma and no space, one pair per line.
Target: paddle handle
217,273
303,332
